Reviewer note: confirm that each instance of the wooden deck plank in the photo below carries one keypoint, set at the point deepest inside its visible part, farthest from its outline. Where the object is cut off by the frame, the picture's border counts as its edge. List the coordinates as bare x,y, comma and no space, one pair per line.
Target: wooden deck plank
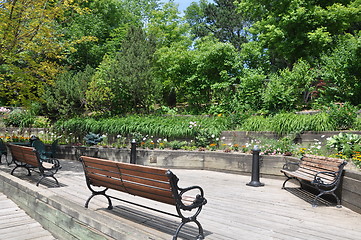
15,224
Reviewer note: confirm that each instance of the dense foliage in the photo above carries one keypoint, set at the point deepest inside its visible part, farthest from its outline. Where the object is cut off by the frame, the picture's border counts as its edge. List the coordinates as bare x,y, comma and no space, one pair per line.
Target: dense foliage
115,57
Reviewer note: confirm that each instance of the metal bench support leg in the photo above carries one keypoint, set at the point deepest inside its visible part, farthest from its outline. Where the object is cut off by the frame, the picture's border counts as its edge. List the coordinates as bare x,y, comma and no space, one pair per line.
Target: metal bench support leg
289,178
96,193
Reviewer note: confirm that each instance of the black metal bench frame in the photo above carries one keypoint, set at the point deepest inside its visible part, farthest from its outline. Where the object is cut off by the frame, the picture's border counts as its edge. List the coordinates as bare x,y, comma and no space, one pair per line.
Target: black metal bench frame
29,158
323,173
177,193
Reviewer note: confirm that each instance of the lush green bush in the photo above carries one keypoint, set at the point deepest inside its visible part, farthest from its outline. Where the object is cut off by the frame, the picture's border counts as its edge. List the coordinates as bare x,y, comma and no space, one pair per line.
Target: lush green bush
287,89
343,116
19,118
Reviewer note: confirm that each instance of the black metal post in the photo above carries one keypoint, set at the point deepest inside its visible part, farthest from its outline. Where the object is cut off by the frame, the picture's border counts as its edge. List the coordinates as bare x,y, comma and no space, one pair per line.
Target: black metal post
255,169
133,152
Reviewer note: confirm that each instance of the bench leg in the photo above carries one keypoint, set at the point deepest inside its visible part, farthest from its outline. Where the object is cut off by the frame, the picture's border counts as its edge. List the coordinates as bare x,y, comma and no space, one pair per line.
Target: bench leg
322,192
12,171
44,176
289,178
184,221
94,193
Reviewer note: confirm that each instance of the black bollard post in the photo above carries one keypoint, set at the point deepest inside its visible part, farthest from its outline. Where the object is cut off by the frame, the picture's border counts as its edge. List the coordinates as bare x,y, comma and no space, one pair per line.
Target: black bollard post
133,152
255,169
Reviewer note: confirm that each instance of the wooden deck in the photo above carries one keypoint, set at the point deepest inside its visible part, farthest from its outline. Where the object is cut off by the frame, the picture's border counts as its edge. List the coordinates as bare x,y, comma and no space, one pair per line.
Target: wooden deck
234,210
15,224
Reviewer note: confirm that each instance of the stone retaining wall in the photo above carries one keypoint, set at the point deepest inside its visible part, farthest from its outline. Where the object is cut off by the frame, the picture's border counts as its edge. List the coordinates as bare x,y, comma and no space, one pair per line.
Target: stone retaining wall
305,138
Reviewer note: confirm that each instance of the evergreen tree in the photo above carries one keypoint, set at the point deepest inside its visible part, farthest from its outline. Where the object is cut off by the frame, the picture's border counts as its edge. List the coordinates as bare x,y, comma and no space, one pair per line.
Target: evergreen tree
220,19
125,83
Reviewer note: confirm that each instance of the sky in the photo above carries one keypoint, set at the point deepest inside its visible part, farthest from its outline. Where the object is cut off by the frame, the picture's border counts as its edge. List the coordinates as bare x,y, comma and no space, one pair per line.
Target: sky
183,4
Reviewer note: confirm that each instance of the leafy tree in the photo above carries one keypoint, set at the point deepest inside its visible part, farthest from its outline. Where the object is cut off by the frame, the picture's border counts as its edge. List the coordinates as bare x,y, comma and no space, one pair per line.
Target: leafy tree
340,71
196,18
166,25
105,25
199,75
29,48
250,91
296,29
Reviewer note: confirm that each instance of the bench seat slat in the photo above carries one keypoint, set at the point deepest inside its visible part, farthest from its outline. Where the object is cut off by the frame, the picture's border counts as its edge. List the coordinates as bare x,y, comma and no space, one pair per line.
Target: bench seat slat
307,177
104,181
313,173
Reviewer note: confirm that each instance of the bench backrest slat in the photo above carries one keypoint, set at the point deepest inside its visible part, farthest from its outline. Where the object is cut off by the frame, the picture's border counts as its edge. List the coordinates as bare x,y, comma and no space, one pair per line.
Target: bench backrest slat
24,154
100,167
144,181
320,163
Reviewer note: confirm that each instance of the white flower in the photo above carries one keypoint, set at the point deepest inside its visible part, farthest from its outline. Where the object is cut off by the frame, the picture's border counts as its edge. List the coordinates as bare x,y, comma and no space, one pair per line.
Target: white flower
322,136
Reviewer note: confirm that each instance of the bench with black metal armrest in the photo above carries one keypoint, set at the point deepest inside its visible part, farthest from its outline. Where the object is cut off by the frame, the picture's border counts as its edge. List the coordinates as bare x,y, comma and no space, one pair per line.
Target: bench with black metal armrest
28,158
152,183
324,173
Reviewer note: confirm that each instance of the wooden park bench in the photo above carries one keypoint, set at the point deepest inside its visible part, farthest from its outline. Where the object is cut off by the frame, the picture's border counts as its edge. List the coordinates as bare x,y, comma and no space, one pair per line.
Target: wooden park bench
157,184
28,158
323,173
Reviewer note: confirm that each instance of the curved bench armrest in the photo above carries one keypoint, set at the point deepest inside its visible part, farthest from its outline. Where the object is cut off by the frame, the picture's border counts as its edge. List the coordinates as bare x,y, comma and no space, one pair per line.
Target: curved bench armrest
198,201
317,180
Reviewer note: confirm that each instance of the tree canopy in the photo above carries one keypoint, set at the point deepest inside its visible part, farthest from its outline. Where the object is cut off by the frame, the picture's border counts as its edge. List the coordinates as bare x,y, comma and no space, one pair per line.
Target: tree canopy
225,56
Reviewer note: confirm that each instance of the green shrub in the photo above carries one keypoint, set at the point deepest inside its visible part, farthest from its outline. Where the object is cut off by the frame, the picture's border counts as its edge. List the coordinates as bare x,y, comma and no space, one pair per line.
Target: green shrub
19,118
345,143
342,116
93,139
